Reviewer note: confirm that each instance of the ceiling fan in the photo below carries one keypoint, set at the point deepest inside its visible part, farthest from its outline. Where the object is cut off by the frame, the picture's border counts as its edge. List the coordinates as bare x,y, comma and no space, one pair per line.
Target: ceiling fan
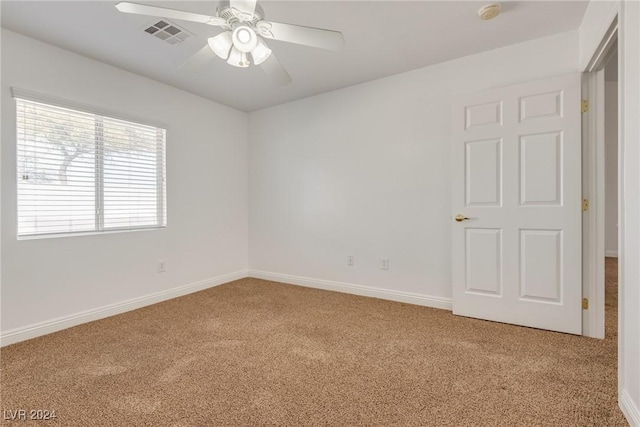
243,35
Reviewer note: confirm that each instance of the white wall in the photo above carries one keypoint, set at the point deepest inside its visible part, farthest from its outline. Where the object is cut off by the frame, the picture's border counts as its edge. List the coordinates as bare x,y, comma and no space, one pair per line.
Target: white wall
365,171
611,168
206,237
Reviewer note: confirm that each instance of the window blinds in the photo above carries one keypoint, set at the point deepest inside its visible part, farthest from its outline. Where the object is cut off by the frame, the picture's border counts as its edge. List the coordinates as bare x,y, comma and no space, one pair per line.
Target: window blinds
84,172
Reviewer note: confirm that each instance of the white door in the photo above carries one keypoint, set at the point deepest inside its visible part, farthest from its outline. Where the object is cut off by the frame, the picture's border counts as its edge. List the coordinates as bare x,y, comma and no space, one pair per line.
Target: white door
517,250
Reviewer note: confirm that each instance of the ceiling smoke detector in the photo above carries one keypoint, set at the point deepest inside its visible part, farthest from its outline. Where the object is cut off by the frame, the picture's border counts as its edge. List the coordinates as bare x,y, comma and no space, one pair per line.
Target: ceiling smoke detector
489,11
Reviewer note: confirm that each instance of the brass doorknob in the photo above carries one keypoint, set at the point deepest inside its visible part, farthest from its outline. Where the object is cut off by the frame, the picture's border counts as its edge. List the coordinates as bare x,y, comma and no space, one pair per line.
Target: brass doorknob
461,218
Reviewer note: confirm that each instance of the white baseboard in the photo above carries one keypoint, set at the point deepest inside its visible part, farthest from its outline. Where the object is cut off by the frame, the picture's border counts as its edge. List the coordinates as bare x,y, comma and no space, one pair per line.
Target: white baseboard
54,325
611,254
368,291
629,409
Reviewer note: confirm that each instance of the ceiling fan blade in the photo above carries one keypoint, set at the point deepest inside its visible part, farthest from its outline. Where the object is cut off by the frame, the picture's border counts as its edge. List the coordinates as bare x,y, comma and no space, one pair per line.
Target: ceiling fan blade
309,36
162,12
200,59
274,69
243,9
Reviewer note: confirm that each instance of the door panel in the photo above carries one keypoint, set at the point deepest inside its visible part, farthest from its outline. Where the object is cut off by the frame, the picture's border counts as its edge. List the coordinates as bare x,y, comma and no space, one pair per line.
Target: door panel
541,169
484,272
540,265
541,105
517,183
483,168
483,114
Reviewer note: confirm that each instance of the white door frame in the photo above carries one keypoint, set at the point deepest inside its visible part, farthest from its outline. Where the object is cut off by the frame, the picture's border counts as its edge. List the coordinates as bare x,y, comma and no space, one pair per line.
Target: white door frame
593,184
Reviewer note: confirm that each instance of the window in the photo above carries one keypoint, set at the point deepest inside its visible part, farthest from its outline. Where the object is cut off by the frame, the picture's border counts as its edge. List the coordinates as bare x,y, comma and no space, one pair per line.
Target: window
84,172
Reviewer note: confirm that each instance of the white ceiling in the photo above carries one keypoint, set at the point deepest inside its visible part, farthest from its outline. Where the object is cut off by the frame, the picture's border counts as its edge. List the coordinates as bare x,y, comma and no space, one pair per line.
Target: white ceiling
382,38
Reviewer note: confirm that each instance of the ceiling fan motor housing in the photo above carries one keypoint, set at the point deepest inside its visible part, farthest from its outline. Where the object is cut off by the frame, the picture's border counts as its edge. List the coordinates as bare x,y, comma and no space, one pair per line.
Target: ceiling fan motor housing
225,12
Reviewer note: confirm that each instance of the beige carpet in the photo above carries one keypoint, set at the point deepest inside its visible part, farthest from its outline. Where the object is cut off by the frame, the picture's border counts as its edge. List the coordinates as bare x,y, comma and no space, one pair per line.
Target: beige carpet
253,352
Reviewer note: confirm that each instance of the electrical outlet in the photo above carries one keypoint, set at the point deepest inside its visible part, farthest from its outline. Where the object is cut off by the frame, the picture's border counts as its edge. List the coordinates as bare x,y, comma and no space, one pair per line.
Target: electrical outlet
161,267
384,264
350,260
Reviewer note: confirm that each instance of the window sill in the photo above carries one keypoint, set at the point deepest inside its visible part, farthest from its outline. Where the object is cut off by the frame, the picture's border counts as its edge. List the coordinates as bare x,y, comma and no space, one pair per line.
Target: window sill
88,233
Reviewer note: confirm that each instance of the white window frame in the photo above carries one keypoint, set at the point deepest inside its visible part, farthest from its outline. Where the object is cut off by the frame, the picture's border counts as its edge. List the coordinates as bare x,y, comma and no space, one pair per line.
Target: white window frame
161,174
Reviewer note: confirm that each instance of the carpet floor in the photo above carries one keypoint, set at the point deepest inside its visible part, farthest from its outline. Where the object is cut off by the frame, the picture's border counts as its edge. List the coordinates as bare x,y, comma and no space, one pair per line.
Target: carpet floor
253,352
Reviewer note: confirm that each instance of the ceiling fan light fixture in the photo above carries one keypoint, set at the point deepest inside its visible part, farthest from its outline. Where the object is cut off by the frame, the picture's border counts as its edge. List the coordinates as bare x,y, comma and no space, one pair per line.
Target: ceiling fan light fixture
237,58
243,29
221,44
244,38
261,52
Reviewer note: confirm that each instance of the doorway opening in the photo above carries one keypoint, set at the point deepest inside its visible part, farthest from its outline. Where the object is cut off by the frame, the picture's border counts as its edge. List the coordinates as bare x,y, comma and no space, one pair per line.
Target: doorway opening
608,175
600,183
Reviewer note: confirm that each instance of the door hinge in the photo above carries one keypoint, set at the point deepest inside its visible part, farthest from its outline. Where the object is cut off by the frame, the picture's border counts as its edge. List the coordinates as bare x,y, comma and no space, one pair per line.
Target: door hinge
585,105
585,303
585,205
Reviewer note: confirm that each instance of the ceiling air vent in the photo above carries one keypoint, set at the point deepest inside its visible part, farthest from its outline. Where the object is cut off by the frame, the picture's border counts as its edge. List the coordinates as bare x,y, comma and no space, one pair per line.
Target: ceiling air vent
167,31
